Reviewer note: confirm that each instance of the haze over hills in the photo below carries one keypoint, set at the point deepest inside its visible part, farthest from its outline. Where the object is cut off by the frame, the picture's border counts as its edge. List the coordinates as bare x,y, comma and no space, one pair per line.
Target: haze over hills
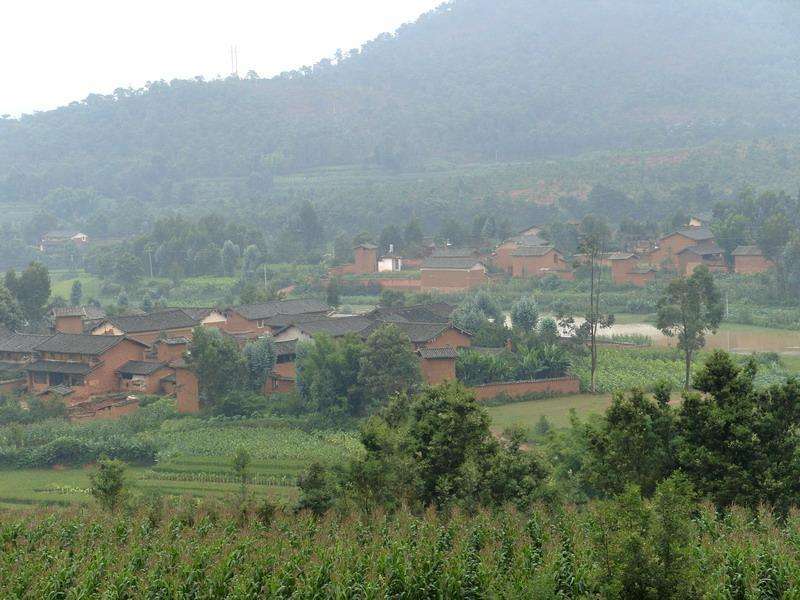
473,81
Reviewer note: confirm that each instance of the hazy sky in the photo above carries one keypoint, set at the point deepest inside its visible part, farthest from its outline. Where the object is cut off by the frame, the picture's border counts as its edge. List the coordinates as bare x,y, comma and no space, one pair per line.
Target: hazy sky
55,51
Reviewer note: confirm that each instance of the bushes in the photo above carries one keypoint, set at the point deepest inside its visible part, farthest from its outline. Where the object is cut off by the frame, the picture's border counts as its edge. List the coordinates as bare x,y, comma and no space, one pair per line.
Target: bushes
74,451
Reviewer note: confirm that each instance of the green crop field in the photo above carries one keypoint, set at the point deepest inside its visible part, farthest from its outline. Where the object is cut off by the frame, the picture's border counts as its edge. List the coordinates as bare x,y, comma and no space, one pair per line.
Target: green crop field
557,410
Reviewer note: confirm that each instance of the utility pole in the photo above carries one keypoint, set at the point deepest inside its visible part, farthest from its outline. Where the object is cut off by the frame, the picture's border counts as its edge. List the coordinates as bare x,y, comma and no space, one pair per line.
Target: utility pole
150,257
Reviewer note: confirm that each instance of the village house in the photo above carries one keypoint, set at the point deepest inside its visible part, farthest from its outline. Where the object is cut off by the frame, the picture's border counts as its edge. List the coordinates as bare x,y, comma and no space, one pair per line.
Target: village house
75,319
455,274
365,262
538,261
669,246
207,317
20,348
708,254
749,260
438,364
143,376
57,239
501,257
79,366
641,275
149,327
621,265
254,320
332,326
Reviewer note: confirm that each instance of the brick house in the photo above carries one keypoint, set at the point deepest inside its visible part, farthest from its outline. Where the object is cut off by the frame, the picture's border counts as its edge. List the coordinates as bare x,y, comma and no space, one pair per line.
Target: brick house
666,253
75,319
641,275
208,317
538,261
452,274
621,264
332,326
147,328
57,239
143,376
749,260
708,254
254,320
20,348
438,364
81,366
501,257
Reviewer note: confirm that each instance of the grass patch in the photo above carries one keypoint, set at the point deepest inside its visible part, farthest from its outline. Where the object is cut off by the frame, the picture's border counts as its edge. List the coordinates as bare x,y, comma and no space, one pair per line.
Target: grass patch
556,410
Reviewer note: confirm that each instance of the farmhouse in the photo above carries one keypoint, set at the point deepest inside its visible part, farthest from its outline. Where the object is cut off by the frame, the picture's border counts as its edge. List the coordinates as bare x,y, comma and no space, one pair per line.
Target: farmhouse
666,253
455,274
438,364
149,327
708,254
502,254
254,320
75,319
143,376
365,262
20,348
207,317
79,366
57,239
538,261
332,326
748,260
641,275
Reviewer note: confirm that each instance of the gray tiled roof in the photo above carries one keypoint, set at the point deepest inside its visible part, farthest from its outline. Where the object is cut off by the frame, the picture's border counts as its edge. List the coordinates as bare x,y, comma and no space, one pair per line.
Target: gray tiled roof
454,253
462,264
162,320
86,312
58,366
621,256
419,314
703,250
532,251
266,310
140,367
529,240
747,251
697,234
22,342
336,326
438,353
77,343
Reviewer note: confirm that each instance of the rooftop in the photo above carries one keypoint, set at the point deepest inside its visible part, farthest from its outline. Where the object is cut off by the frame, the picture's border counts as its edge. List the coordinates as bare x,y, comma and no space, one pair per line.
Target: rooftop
621,256
78,343
162,320
697,234
140,367
266,310
59,366
416,314
532,251
747,251
21,342
454,253
461,264
86,312
438,353
702,250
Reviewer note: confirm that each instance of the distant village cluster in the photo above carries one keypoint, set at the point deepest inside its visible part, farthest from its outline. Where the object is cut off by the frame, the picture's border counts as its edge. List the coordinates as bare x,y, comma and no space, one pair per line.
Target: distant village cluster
100,365
527,254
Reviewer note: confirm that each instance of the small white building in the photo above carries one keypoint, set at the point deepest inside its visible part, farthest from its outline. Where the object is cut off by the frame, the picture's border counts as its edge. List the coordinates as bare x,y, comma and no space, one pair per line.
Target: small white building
390,262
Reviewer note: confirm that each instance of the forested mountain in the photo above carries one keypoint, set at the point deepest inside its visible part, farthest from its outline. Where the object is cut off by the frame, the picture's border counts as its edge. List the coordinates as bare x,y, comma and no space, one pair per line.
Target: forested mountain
474,80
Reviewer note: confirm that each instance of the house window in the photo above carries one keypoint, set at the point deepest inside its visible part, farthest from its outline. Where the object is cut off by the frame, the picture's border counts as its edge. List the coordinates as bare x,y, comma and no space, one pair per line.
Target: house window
555,258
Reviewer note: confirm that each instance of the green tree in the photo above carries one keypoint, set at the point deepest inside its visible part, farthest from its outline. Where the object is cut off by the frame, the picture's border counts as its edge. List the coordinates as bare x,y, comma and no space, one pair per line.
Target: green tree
525,315
76,293
230,258
689,308
413,236
10,311
108,483
250,261
772,236
738,445
342,249
332,295
218,363
327,375
594,237
391,298
388,366
127,269
33,291
730,233
259,359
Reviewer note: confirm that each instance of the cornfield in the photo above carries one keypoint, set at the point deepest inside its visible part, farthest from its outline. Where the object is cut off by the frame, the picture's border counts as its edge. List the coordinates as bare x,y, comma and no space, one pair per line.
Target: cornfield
192,550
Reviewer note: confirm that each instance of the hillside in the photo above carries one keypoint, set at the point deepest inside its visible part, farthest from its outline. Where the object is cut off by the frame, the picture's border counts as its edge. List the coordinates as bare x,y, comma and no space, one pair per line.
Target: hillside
473,81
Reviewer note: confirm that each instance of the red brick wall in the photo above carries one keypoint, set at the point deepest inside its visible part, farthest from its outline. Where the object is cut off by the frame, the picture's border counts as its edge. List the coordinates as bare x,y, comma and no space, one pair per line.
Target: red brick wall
150,385
277,385
187,391
749,265
668,249
620,269
502,256
447,280
168,352
450,338
287,369
435,371
366,260
531,266
640,279
69,324
561,385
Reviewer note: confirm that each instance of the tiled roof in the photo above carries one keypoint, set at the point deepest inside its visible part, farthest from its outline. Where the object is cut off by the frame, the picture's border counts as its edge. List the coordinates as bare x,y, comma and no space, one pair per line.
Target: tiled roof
162,320
697,234
747,251
703,250
367,246
620,256
22,342
454,253
198,313
285,348
140,367
462,264
77,343
58,366
418,314
4,331
438,353
266,310
529,240
532,251
336,326
86,312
